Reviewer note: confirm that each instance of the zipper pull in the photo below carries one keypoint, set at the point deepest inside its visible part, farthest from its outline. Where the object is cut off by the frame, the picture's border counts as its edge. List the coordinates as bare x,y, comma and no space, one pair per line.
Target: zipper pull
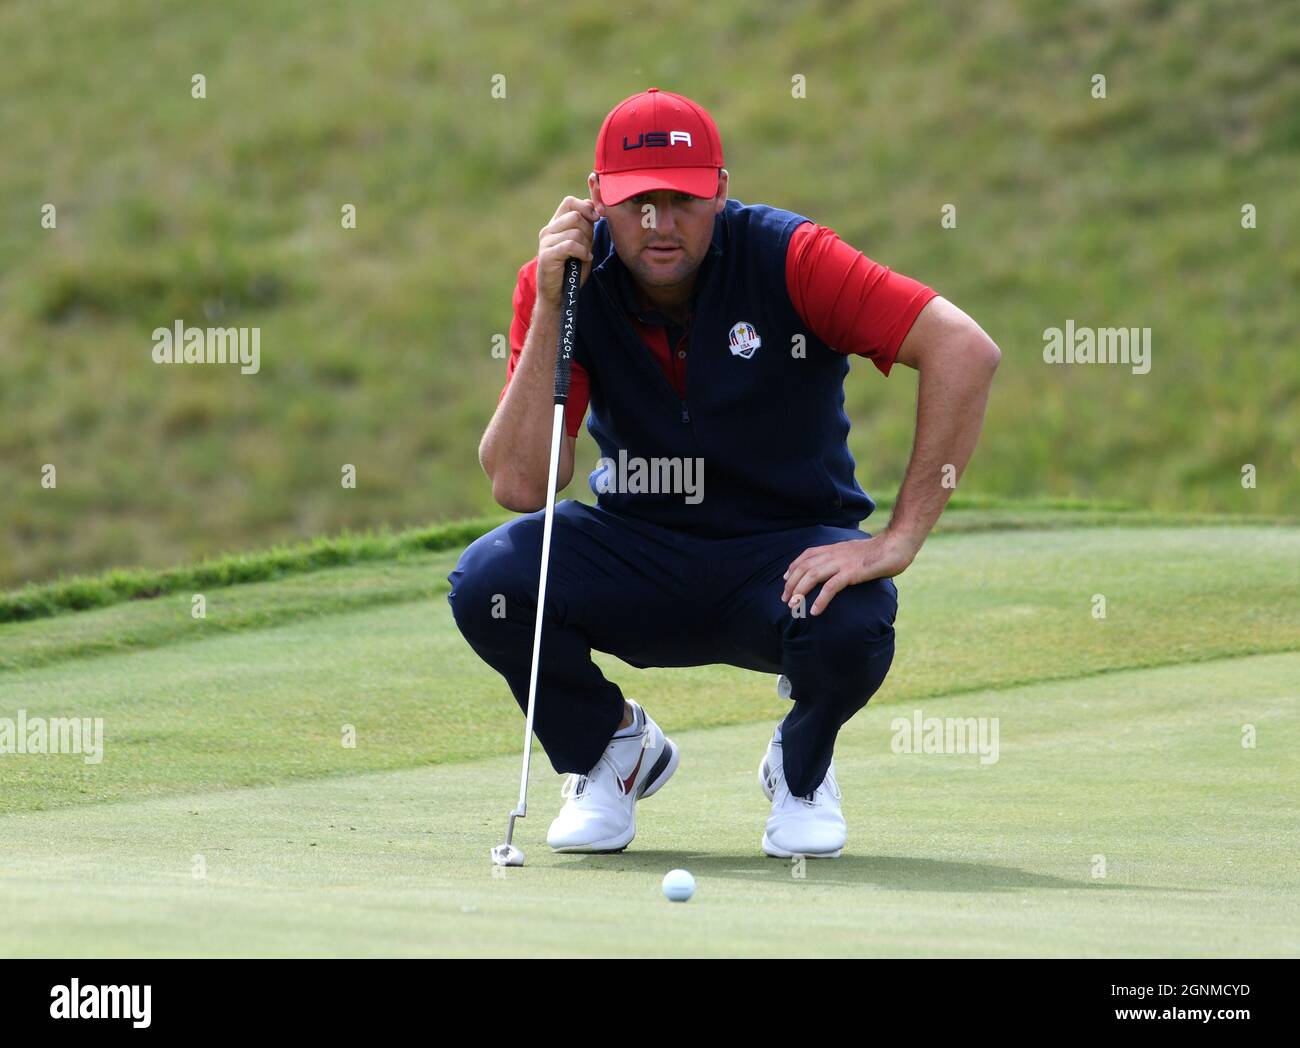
686,415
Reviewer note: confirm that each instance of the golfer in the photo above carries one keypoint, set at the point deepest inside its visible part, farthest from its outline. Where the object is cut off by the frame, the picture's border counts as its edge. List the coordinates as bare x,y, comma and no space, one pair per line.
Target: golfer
712,343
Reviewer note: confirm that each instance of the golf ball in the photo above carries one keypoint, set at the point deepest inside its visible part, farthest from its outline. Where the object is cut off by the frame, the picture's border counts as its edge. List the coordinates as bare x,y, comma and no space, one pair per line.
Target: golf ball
678,885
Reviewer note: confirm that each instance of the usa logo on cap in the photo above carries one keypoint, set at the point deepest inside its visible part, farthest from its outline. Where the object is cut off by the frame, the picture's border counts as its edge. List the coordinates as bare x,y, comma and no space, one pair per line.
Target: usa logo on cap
657,140
744,340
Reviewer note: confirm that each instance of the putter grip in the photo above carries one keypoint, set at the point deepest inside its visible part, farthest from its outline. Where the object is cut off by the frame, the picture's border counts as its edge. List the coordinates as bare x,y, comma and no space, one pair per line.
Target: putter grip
568,313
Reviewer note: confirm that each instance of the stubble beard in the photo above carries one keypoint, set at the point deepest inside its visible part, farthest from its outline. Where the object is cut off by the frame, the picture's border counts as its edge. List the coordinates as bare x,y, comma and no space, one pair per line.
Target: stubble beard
650,275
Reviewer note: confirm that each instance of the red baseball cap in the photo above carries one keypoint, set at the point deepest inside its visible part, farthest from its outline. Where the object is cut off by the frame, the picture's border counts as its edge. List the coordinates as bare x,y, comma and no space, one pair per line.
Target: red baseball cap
657,140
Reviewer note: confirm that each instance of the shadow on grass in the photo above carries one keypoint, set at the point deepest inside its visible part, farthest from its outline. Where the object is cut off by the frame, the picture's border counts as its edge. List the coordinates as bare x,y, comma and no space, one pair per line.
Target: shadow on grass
890,872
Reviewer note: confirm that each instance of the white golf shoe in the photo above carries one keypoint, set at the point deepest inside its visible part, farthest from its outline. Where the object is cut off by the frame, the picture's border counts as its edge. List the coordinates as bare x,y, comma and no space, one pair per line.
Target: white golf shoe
599,813
812,826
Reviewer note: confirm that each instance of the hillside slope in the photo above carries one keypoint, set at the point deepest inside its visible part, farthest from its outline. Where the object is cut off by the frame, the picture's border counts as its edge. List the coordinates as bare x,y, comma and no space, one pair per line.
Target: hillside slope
377,342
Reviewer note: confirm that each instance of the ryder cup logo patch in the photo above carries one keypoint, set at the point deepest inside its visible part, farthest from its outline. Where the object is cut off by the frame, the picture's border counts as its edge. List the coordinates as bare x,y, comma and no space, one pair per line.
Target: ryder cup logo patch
744,340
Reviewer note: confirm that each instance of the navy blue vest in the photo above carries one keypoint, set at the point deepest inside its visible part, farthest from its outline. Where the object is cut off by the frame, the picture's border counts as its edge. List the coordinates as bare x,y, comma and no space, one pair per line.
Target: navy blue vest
769,426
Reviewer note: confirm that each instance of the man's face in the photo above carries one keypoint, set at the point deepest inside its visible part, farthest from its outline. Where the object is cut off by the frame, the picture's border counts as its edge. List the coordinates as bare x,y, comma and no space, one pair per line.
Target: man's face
662,237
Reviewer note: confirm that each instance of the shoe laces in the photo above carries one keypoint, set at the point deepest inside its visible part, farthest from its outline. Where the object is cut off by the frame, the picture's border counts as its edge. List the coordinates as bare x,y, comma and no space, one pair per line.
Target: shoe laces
811,800
575,786
827,785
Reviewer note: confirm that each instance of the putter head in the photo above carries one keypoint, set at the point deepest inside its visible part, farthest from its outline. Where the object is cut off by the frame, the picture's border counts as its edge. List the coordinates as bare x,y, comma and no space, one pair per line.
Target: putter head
507,855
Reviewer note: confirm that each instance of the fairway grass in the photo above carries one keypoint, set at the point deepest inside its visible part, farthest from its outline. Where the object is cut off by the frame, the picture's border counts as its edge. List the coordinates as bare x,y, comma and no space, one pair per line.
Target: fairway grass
1123,816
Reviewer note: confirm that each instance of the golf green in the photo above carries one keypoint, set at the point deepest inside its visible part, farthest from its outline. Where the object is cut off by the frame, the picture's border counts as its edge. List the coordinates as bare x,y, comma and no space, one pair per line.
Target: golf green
1141,801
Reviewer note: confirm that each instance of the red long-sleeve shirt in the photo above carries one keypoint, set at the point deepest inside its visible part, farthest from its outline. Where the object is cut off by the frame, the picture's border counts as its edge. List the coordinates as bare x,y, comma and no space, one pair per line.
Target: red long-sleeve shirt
848,301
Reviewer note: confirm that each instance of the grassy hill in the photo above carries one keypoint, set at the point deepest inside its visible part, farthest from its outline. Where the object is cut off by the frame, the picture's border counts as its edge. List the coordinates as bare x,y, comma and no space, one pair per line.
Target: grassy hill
377,342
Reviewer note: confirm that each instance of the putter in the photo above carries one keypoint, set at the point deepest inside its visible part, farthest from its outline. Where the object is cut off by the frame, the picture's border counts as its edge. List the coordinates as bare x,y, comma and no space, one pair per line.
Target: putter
506,854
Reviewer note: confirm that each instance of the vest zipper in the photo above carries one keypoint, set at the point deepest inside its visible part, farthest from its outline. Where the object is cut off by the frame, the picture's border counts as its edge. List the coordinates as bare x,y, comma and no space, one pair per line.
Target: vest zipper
686,414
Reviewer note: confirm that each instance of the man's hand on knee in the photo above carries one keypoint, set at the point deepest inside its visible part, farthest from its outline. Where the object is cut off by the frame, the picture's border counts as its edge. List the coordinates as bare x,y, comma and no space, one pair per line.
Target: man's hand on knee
843,564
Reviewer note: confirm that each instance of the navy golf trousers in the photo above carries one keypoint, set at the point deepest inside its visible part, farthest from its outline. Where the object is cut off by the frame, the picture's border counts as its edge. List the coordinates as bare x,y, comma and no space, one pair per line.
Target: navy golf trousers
655,597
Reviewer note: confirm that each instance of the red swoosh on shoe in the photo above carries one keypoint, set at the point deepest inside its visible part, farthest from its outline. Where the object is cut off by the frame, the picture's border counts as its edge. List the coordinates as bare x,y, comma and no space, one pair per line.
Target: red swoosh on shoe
631,779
